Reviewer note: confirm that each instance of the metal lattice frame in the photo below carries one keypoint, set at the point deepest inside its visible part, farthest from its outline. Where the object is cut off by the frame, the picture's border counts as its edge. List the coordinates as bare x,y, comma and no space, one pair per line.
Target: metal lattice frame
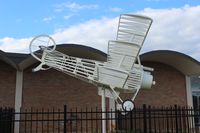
119,73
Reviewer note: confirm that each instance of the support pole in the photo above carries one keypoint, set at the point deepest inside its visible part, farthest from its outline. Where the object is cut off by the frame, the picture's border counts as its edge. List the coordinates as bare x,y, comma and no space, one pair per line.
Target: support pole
112,109
103,108
18,99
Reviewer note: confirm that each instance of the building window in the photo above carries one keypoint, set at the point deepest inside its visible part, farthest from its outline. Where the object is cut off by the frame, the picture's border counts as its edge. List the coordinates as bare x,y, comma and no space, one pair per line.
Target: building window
195,86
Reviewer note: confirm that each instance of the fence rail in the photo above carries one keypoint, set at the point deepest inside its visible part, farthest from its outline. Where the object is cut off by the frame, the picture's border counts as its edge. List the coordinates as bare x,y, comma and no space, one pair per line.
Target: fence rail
145,119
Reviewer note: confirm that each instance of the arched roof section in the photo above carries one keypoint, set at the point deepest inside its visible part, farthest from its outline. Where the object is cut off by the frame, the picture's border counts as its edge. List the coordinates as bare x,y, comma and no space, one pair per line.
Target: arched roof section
72,50
82,51
4,58
184,63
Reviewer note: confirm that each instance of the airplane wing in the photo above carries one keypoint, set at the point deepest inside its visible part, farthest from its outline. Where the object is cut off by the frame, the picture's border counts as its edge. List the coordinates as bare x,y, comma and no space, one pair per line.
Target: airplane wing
132,31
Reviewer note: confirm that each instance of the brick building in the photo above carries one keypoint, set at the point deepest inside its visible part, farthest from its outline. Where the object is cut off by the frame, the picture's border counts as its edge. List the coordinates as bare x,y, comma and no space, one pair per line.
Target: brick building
175,75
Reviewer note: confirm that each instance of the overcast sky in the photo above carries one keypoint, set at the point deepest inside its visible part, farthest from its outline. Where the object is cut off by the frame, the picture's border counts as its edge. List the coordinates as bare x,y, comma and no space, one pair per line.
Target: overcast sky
176,23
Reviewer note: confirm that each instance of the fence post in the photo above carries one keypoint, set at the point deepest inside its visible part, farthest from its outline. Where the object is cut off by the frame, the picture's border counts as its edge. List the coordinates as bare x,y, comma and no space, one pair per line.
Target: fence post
65,119
12,120
176,117
145,118
149,112
131,120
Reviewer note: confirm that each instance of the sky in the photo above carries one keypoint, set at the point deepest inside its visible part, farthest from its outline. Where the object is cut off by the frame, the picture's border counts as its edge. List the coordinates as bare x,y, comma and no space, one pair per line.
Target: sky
176,23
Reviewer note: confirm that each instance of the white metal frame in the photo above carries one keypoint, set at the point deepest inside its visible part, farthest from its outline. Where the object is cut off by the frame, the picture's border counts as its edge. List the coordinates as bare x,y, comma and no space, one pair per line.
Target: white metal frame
119,73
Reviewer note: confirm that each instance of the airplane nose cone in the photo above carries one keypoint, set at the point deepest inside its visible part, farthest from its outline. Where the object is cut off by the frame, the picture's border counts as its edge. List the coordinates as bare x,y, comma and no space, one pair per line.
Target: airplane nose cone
147,80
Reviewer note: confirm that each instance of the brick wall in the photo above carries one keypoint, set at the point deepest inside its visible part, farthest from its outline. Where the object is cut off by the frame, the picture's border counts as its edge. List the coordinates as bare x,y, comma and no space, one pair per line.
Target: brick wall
170,87
52,88
7,85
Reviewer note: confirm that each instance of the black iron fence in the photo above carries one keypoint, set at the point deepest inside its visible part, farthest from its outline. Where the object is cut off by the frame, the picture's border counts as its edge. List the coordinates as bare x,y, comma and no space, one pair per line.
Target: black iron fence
6,120
146,119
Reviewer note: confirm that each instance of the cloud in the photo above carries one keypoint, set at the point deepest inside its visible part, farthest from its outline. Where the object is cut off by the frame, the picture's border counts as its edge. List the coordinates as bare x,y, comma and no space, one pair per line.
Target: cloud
15,45
73,6
174,29
116,9
66,17
94,33
48,19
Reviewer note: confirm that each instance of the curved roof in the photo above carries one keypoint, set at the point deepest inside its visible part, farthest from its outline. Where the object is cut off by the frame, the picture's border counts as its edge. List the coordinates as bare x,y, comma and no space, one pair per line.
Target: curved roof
179,61
184,63
5,58
72,50
82,51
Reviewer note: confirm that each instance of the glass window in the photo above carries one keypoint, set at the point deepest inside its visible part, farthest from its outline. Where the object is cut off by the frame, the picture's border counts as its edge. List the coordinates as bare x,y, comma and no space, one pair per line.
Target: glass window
195,86
195,82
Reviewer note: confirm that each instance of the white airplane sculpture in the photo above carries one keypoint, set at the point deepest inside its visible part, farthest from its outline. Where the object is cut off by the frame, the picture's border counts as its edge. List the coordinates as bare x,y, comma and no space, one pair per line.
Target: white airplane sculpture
120,73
